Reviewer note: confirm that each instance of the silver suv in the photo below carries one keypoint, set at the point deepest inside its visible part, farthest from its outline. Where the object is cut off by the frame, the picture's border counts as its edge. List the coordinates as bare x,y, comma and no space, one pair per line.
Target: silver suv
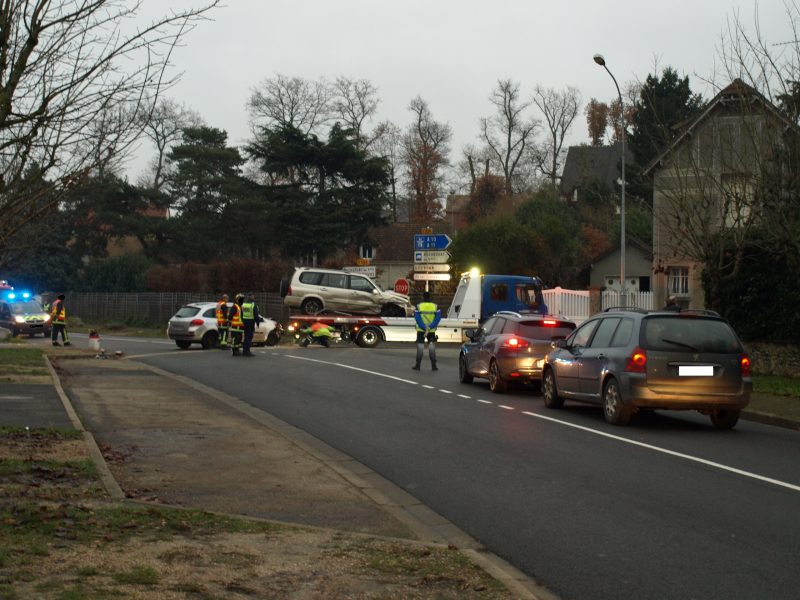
627,360
312,289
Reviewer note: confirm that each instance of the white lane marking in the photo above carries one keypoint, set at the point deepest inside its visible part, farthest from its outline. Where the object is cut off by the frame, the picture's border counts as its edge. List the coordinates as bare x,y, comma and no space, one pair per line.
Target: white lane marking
325,362
428,387
465,397
445,391
506,407
594,431
669,452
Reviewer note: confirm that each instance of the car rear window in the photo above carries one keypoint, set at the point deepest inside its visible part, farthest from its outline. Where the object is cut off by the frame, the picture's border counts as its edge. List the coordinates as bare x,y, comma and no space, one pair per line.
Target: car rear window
688,334
545,329
187,311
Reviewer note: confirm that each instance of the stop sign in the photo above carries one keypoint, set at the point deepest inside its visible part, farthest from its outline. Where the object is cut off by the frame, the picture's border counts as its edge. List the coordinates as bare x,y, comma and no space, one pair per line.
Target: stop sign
401,286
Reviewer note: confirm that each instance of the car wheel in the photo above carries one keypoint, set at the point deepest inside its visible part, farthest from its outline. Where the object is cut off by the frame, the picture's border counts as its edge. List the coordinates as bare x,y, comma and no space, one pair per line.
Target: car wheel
550,391
392,310
183,344
463,372
311,306
614,410
210,340
724,418
497,384
369,337
272,338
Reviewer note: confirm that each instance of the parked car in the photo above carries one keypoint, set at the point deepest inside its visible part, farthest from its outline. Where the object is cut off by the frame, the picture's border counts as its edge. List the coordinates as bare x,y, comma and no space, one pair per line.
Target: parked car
21,313
311,290
629,359
196,323
510,347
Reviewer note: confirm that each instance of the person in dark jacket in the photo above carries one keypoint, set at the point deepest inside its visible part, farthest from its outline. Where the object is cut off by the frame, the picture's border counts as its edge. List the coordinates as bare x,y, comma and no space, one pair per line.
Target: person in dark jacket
58,315
427,317
250,318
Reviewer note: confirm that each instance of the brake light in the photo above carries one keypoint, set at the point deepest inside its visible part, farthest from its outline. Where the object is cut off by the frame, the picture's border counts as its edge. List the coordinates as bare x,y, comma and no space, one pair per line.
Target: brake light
515,343
745,363
637,361
197,322
549,323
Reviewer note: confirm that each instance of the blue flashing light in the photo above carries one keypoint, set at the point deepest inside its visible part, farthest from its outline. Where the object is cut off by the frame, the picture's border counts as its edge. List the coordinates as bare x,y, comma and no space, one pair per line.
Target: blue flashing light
20,296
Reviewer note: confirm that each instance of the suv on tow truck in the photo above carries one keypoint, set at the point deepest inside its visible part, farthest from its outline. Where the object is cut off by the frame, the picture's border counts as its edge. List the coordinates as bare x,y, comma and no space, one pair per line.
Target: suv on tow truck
312,290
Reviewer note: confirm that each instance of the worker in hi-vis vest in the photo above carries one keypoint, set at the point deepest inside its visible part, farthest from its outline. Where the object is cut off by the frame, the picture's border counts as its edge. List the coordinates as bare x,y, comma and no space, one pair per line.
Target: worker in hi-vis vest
427,315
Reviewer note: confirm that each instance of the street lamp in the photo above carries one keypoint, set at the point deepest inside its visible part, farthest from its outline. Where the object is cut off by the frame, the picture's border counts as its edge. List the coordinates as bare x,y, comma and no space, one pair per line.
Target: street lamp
598,58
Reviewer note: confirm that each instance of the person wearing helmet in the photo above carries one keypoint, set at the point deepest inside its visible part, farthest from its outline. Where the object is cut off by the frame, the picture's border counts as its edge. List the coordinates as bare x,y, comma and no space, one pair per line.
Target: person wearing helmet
250,318
236,324
223,322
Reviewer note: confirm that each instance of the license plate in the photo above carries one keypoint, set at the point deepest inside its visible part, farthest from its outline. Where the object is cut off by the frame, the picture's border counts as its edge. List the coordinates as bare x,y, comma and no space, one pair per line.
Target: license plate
696,370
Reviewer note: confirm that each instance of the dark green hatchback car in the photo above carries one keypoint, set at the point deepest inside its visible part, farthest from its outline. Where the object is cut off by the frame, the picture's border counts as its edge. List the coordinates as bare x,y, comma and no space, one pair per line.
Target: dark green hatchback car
628,359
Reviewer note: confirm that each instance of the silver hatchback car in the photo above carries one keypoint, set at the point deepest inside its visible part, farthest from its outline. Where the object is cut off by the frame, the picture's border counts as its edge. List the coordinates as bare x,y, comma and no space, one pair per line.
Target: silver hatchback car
196,323
628,359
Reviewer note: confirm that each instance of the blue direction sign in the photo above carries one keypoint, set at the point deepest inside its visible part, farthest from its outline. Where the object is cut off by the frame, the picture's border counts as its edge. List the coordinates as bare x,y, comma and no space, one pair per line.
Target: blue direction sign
435,241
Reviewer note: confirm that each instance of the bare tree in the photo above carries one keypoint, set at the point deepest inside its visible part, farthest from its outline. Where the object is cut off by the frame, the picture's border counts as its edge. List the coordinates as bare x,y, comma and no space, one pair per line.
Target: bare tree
164,126
508,132
560,108
355,102
425,152
280,101
388,145
64,65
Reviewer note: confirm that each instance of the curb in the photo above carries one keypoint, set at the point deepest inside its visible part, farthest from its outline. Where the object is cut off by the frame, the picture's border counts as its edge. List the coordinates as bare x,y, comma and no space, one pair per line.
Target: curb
768,419
107,479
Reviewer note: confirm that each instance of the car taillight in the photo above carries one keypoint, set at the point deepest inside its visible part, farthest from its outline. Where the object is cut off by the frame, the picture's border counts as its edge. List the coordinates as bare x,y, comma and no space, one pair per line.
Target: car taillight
197,322
549,323
515,343
637,361
745,362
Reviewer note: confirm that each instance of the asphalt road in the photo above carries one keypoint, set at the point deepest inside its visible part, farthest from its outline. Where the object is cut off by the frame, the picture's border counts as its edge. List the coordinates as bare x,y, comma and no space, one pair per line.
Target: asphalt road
665,508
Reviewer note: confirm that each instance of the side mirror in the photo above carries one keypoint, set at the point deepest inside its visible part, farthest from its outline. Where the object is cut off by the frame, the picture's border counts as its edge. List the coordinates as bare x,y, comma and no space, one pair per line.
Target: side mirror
470,333
562,343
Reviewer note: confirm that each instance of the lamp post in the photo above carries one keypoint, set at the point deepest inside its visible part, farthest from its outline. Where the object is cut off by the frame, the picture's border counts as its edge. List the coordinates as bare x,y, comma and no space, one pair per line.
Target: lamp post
598,58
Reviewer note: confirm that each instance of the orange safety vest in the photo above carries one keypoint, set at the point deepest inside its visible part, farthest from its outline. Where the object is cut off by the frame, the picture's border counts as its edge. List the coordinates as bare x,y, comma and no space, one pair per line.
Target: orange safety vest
236,317
222,318
58,312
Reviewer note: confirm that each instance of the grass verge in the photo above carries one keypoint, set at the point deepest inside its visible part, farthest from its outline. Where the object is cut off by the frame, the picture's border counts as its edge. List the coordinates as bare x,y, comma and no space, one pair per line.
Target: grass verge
22,361
62,538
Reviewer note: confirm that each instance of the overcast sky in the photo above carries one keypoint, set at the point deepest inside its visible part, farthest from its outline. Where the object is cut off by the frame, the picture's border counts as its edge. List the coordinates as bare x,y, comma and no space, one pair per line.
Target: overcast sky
450,52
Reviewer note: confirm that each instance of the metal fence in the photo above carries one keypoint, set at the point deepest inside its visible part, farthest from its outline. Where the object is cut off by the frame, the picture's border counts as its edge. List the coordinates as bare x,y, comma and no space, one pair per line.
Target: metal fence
635,299
154,308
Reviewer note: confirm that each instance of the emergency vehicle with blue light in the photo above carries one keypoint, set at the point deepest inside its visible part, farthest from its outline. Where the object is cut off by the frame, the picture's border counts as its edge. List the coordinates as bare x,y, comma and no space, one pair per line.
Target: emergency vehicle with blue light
22,313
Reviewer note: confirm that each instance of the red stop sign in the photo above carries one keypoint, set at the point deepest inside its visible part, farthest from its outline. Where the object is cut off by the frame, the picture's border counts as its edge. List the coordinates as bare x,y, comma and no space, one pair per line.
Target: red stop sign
401,286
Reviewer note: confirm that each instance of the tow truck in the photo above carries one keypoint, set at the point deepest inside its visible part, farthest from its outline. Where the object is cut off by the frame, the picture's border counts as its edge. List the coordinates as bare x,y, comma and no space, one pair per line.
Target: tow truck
477,297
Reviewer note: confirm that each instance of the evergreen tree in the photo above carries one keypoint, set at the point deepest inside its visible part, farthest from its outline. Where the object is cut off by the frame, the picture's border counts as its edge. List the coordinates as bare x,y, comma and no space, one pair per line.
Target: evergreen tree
322,195
205,184
664,103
